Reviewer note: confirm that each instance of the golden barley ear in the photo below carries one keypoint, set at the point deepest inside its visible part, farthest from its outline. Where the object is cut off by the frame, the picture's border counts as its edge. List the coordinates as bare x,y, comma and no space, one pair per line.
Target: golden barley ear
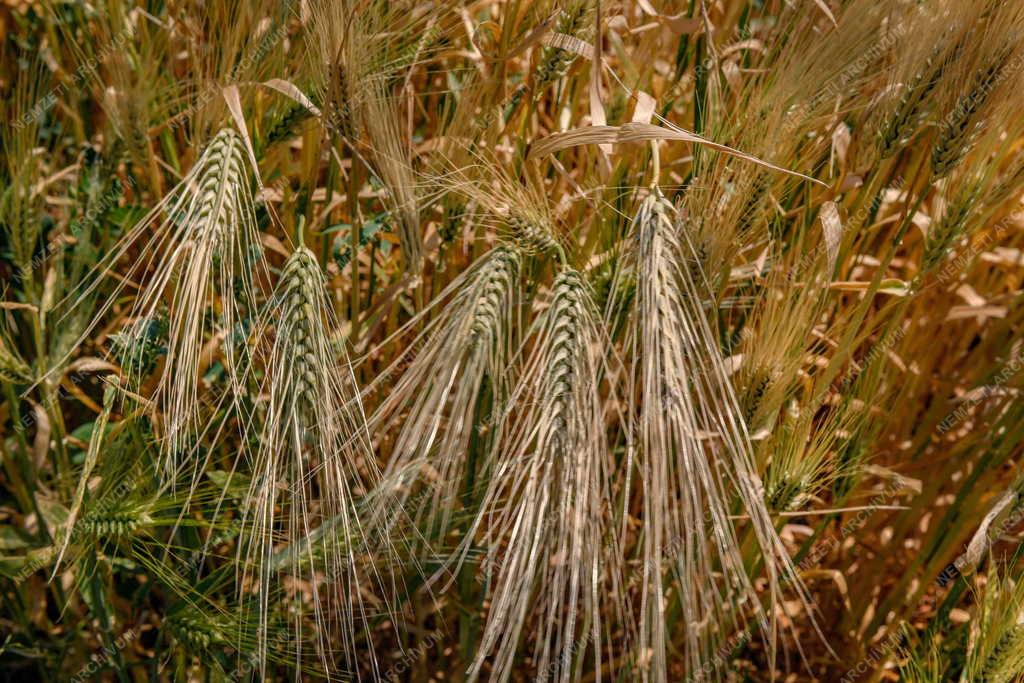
696,461
302,523
451,392
517,208
198,254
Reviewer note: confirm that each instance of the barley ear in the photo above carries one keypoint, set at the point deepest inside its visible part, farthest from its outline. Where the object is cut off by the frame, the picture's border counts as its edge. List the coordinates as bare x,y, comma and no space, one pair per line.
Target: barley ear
302,523
1006,661
544,514
696,460
13,370
959,128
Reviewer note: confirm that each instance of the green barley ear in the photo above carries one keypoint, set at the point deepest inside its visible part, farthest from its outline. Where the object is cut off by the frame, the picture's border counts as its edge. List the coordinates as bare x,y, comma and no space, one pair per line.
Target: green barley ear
753,206
904,122
340,103
943,233
287,125
544,513
111,519
138,347
575,20
341,248
495,297
302,529
803,458
1006,660
959,128
303,285
575,23
196,630
13,370
532,237
995,650
1008,184
454,211
20,206
753,390
774,343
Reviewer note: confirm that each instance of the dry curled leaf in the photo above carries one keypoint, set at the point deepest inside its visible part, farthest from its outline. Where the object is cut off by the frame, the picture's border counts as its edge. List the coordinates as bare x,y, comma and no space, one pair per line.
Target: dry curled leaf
641,132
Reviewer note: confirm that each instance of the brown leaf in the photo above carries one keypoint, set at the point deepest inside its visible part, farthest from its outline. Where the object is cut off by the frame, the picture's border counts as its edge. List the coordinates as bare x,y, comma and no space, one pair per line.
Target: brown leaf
41,443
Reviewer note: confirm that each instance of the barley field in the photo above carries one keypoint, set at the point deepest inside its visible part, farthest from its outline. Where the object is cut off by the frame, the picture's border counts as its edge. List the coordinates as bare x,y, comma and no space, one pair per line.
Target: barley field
568,341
